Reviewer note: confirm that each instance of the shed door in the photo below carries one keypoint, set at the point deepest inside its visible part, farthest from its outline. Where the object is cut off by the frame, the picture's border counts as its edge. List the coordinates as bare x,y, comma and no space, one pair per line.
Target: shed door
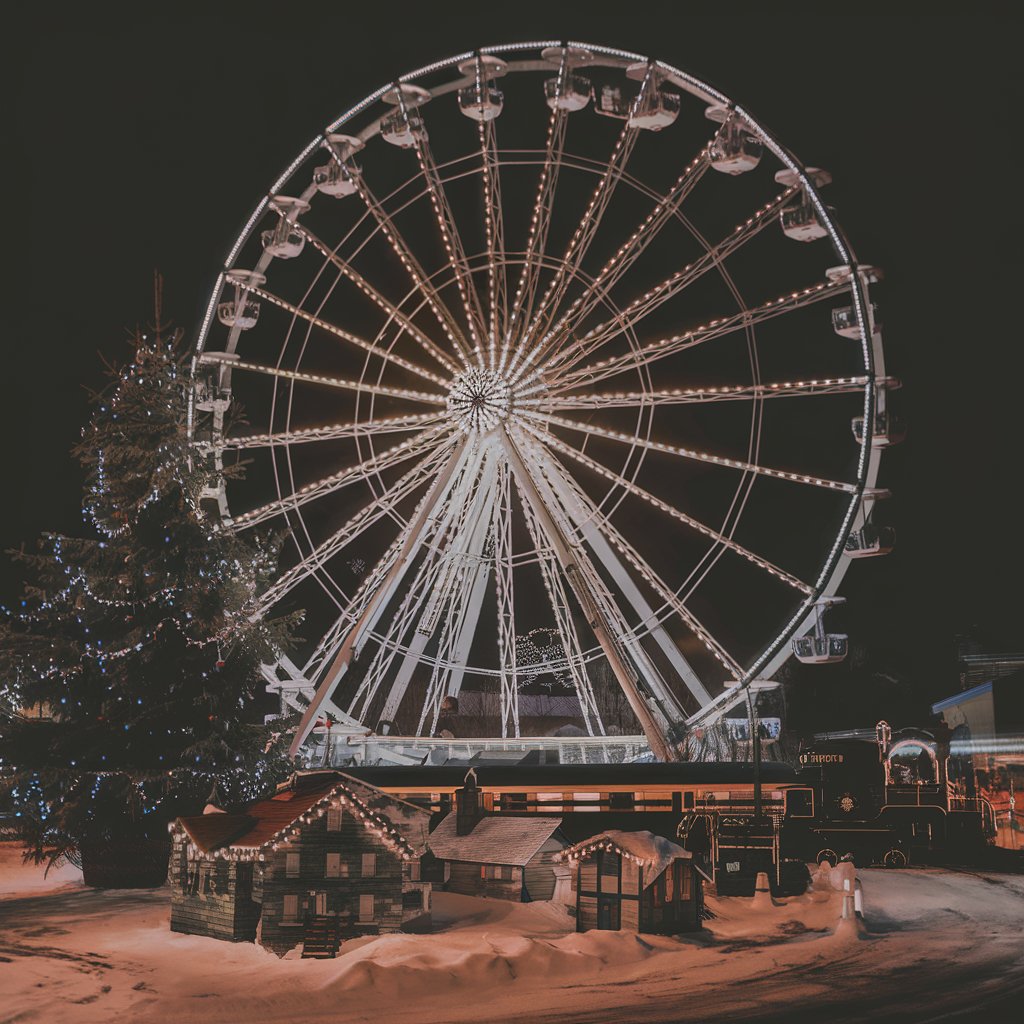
608,914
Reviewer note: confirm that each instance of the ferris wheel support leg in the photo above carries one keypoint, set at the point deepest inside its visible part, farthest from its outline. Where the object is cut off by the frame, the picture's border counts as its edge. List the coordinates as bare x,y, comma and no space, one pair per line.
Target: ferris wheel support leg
570,561
473,527
376,603
607,557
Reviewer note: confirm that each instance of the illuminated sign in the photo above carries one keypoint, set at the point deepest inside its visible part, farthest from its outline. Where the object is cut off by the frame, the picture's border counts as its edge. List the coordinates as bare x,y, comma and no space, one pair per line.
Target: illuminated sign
812,758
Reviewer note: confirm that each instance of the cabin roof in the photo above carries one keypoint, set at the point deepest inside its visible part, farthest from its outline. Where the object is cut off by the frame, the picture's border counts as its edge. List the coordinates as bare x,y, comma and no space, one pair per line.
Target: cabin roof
266,820
494,840
210,831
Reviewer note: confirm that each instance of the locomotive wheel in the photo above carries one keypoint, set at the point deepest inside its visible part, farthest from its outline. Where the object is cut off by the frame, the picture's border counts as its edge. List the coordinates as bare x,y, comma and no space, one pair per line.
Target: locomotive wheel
895,859
828,855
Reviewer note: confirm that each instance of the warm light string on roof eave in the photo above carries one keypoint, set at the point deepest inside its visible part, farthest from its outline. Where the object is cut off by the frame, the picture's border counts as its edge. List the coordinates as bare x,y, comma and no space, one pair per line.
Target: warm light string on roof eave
337,797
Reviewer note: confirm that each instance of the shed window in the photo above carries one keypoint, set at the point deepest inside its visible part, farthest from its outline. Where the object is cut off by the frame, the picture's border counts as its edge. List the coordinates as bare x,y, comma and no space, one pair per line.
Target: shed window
333,819
369,865
291,865
498,872
549,802
366,904
332,867
686,882
291,909
586,801
513,801
621,801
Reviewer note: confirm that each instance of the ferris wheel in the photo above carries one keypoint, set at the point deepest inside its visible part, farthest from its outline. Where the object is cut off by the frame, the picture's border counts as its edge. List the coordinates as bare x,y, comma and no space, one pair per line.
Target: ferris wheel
546,341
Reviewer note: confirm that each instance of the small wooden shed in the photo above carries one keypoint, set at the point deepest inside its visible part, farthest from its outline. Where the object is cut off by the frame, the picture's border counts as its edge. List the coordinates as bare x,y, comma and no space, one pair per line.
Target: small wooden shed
502,857
636,881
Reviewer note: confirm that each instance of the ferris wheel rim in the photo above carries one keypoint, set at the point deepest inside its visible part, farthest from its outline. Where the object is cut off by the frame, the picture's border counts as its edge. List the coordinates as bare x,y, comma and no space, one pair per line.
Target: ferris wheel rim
834,567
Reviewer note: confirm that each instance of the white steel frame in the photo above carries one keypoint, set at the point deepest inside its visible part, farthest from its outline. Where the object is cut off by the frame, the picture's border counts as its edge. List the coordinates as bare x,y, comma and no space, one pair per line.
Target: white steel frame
499,392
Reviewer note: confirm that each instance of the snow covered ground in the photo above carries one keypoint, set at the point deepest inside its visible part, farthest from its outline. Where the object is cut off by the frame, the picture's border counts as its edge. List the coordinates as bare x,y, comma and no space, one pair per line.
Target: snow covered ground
940,945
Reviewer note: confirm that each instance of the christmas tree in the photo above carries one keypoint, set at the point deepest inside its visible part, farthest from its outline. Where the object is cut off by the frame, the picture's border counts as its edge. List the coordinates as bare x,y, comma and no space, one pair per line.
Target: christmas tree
131,671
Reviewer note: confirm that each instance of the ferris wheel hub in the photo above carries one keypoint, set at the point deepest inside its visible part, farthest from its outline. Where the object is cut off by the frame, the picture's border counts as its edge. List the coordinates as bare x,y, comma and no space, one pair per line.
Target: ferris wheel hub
478,400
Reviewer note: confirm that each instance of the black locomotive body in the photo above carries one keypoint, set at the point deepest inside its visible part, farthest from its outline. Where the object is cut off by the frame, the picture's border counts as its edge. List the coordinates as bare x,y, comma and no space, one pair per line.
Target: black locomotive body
884,802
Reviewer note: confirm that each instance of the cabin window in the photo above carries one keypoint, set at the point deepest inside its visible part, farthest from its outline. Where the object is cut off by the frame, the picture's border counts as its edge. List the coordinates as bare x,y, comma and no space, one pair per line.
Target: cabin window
291,865
333,819
368,867
332,866
513,802
413,870
291,909
621,801
671,876
688,800
685,882
497,872
586,801
366,904
549,802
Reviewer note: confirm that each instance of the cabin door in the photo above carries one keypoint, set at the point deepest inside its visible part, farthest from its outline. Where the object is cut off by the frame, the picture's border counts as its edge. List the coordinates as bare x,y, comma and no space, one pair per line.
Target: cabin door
320,904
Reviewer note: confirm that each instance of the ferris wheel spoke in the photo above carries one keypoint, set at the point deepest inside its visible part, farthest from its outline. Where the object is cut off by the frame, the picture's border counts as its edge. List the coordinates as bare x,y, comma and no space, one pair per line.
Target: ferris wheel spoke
720,327
461,559
647,573
693,453
564,625
335,432
633,314
416,273
354,339
703,396
337,481
506,604
593,597
381,302
631,250
583,459
362,387
535,334
540,224
494,228
450,237
439,519
386,505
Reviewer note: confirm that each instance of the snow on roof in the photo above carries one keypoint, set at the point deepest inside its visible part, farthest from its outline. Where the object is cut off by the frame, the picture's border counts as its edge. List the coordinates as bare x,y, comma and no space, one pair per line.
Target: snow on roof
494,840
653,853
307,795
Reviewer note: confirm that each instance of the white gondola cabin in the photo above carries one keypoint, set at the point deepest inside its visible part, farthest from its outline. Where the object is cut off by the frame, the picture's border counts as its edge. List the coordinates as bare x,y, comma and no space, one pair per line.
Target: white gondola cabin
819,647
285,241
734,149
243,310
888,429
800,219
573,92
844,321
870,540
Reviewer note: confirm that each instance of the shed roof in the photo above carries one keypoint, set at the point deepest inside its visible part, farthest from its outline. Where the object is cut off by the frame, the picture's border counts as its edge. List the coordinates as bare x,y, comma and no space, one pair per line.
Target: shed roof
655,853
494,840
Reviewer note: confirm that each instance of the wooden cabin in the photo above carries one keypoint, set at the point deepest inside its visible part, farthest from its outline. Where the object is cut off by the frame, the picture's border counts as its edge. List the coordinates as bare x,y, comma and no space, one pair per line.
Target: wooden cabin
496,856
636,881
327,857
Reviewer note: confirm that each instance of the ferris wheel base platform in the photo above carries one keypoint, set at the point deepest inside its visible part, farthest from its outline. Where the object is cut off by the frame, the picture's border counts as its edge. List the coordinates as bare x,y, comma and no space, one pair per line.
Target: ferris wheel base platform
371,749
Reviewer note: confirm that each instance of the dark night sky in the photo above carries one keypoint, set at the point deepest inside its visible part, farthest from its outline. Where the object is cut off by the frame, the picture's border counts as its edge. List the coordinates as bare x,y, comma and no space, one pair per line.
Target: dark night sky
147,142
